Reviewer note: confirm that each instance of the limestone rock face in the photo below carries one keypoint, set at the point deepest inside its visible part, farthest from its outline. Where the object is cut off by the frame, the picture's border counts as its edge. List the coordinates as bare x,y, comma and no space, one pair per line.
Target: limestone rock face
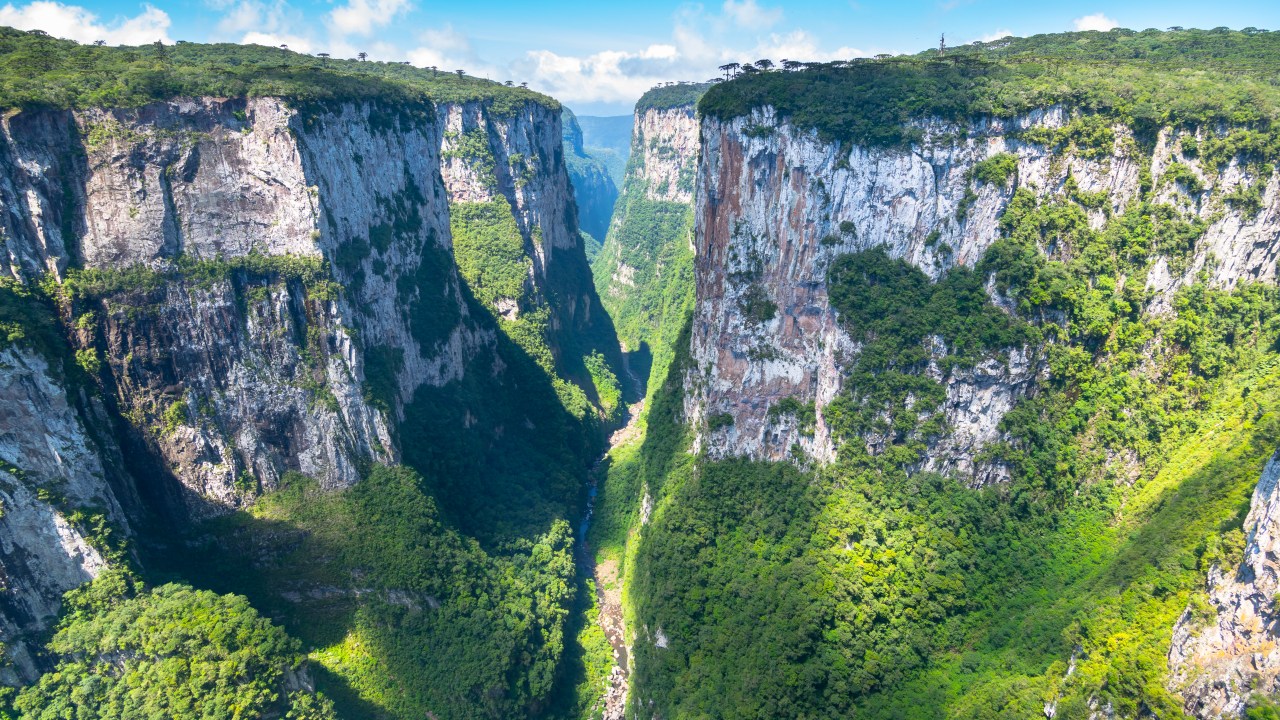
647,250
665,152
593,188
1216,663
266,286
236,377
51,466
775,205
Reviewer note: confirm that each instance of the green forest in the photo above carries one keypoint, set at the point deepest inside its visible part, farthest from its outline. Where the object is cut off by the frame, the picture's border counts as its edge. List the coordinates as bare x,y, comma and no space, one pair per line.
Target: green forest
39,71
1146,80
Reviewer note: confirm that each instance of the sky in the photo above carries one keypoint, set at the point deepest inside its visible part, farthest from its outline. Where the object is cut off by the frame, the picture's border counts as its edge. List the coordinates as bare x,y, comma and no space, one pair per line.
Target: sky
599,56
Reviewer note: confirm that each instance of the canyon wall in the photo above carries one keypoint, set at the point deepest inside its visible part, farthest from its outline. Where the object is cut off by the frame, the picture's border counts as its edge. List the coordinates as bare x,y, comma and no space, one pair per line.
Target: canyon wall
776,204
251,287
644,271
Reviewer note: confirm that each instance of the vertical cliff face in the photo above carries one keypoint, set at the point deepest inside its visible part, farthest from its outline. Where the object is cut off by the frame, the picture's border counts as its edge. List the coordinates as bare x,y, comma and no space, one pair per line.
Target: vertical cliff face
258,286
665,151
1224,652
776,204
240,259
643,273
58,498
593,187
517,242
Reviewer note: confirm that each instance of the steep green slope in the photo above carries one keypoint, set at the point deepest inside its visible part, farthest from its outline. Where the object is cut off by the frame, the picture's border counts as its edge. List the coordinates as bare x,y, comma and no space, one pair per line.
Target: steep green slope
644,272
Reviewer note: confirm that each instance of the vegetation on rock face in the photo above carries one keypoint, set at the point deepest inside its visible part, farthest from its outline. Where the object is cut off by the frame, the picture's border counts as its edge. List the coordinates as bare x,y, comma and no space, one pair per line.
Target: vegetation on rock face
892,308
27,319
1145,80
668,97
489,250
876,590
644,274
996,170
39,71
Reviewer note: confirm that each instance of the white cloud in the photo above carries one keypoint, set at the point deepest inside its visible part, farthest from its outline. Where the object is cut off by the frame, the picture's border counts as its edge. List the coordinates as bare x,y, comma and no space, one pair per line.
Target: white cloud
80,24
276,22
700,42
362,17
997,35
1096,21
449,50
296,43
748,14
255,16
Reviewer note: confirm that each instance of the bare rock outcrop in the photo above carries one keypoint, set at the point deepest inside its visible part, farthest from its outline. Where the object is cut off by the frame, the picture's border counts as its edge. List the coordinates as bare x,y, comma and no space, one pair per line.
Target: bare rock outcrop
1217,662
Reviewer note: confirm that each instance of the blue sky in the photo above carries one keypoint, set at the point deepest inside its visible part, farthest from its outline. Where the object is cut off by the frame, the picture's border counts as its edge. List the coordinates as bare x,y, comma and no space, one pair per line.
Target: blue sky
598,56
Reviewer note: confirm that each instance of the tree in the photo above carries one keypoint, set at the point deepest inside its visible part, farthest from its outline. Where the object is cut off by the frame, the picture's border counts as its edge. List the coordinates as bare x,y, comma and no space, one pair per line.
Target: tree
324,58
461,72
524,84
99,43
509,83
791,65
362,56
730,69
764,64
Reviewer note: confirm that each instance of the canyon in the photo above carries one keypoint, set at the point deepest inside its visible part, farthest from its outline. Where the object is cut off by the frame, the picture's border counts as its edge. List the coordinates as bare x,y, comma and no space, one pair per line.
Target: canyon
964,413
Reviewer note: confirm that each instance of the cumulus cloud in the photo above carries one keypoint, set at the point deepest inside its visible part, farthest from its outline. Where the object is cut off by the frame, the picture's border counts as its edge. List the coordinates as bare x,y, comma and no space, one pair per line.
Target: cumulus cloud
362,17
295,43
276,22
80,24
700,42
449,50
997,35
255,16
1096,21
749,14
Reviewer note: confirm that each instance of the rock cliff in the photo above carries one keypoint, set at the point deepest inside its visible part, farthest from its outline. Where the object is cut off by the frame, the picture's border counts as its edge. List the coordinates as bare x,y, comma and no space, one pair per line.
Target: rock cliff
257,286
593,187
58,497
776,204
643,272
1223,653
